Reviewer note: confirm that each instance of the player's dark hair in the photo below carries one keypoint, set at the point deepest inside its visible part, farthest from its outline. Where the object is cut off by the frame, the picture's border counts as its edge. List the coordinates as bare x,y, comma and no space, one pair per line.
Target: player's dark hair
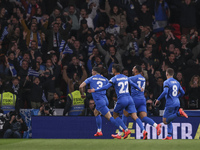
139,68
97,69
117,67
170,71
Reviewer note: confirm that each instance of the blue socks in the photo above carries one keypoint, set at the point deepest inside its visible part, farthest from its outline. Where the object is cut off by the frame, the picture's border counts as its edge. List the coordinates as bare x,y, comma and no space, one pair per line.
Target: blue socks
148,120
172,117
120,123
139,122
169,129
124,119
112,120
99,122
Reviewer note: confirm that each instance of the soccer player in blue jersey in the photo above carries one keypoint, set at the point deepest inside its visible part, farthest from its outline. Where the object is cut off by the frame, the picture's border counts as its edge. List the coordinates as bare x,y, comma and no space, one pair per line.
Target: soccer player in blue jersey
139,100
121,84
172,91
97,81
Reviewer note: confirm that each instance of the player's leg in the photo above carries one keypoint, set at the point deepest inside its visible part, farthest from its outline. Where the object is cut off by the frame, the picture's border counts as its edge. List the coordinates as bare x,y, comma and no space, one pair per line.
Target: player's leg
100,104
143,116
98,122
119,121
169,111
139,122
177,112
124,119
106,112
133,113
112,120
125,116
169,129
119,108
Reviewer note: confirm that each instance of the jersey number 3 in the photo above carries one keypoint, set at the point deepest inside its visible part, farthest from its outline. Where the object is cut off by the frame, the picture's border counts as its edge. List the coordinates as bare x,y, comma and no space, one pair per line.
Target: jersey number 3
100,84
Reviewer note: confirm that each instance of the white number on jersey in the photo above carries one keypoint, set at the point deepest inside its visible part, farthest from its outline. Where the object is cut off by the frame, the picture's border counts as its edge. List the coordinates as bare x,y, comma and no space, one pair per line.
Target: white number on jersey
122,84
100,84
175,92
139,84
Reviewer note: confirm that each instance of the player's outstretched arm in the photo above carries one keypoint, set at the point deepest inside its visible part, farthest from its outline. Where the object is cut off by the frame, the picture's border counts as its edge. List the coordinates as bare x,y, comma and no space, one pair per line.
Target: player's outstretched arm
157,101
182,92
134,85
100,89
163,93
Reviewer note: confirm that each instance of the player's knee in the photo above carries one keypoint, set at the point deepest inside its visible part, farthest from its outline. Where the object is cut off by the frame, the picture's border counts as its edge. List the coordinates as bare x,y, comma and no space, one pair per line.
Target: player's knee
165,122
141,117
96,113
134,116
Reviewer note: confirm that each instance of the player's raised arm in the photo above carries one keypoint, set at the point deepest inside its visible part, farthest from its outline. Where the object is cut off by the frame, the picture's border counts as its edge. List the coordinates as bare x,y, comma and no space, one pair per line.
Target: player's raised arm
100,89
134,85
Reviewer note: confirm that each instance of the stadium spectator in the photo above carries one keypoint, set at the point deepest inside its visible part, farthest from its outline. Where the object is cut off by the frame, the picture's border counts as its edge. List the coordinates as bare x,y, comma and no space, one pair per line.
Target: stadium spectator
46,110
57,101
36,94
115,13
14,127
109,55
158,90
161,14
113,28
73,13
180,79
194,87
76,78
48,81
89,111
75,103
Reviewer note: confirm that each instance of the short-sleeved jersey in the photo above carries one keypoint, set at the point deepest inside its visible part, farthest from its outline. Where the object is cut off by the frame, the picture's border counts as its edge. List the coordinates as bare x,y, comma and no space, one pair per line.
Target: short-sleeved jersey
96,82
171,97
140,81
120,82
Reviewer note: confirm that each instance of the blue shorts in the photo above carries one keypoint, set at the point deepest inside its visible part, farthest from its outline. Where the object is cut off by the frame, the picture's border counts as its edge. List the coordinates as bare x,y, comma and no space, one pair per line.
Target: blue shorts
101,105
140,105
141,108
169,111
126,103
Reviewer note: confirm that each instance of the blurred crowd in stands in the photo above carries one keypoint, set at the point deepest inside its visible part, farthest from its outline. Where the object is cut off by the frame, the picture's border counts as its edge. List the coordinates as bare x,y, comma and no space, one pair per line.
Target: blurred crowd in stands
48,47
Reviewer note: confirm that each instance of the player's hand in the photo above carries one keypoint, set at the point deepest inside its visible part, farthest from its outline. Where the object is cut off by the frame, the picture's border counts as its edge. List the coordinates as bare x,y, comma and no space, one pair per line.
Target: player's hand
91,90
157,102
142,90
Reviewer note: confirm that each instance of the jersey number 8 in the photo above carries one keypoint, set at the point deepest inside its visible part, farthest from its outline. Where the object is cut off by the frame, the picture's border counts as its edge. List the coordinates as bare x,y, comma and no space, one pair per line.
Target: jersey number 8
175,92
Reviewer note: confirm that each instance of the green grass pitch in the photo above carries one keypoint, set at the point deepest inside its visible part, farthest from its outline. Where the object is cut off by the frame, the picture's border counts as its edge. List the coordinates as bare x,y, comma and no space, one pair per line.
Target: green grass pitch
97,144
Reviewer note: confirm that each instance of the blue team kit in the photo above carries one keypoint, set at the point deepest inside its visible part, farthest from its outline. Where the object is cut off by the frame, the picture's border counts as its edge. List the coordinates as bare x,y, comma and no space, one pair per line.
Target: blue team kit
100,98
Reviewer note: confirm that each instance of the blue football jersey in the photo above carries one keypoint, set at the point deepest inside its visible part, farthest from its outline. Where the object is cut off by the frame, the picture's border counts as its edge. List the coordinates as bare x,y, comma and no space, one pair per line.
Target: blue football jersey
120,82
140,81
172,99
96,82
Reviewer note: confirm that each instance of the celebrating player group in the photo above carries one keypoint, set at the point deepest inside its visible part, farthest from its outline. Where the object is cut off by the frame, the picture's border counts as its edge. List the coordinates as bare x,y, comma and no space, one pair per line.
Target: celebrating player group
134,103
